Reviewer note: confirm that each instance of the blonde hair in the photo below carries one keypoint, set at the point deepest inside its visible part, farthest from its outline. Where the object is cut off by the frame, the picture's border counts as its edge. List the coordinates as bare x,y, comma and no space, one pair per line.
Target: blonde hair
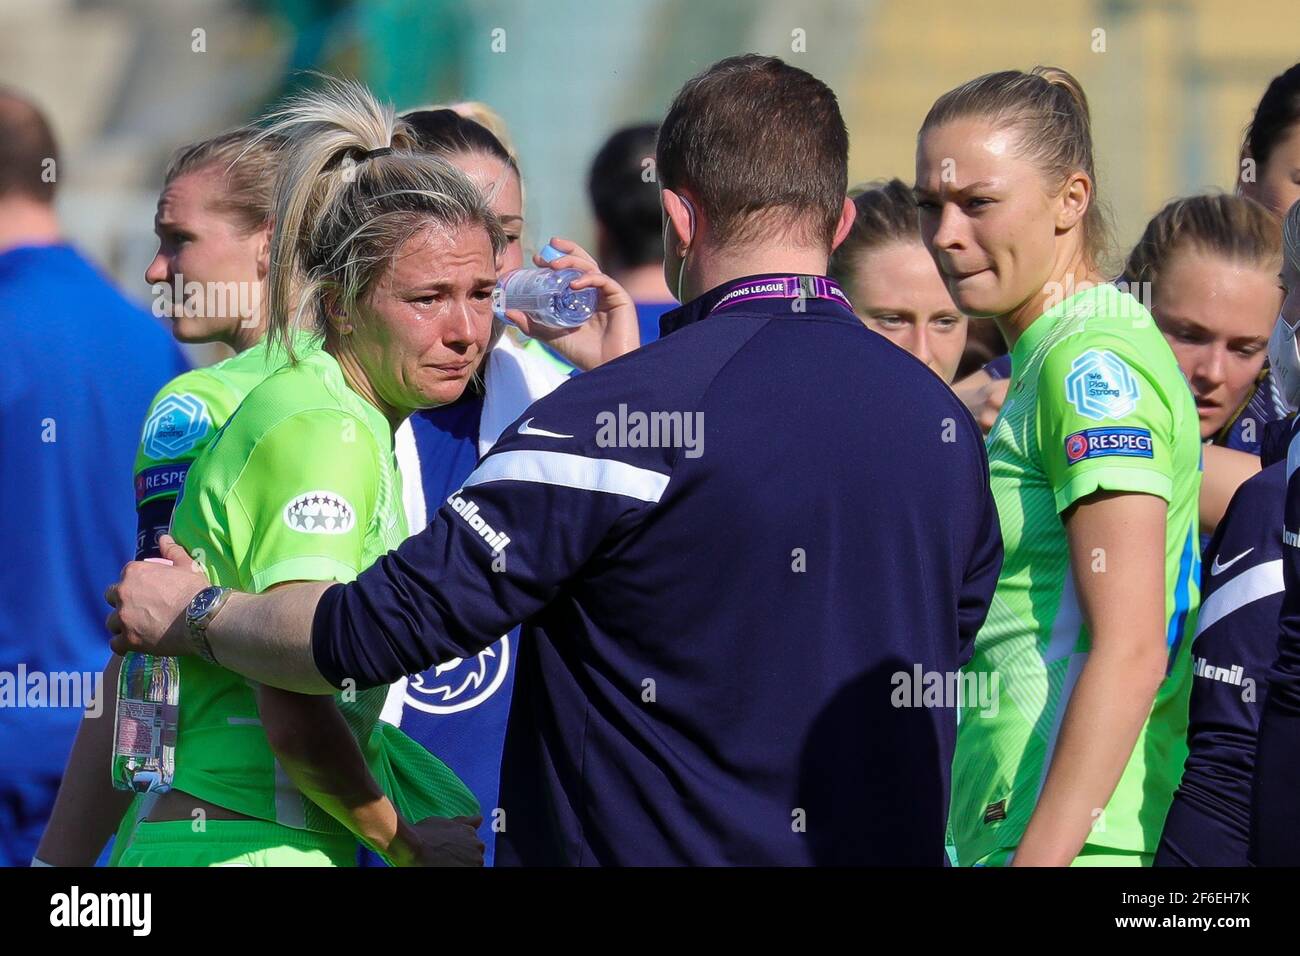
247,159
353,188
1049,110
1238,229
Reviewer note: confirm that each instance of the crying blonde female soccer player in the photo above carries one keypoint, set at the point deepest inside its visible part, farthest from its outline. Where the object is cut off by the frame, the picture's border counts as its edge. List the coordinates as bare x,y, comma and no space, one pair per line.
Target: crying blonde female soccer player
390,256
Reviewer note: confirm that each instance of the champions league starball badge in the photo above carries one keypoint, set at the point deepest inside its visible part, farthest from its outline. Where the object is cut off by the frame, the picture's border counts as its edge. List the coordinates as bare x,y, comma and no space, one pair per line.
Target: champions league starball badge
320,512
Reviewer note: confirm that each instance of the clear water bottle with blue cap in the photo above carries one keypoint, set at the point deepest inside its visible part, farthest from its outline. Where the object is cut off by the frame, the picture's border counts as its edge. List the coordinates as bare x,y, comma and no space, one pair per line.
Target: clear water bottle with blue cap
545,294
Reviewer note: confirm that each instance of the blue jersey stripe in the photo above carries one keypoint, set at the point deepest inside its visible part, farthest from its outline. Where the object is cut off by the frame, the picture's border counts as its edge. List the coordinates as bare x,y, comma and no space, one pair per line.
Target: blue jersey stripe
1188,565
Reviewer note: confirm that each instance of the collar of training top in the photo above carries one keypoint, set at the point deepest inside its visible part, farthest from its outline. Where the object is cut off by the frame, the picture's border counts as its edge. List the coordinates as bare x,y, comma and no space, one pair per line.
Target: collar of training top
772,292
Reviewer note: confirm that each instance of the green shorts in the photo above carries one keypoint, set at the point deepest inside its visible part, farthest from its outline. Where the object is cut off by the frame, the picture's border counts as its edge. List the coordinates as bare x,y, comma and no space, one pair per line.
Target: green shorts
137,811
234,843
1088,856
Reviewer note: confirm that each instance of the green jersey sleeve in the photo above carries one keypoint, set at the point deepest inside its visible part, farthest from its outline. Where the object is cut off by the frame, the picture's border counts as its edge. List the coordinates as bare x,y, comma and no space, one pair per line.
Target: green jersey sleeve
1104,422
181,420
301,506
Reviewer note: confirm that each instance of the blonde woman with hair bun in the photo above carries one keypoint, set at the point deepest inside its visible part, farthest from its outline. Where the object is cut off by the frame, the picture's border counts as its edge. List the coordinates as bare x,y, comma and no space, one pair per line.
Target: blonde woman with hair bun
1094,465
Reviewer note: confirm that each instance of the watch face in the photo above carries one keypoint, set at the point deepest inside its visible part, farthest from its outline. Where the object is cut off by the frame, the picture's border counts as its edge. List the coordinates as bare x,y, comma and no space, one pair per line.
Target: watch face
203,602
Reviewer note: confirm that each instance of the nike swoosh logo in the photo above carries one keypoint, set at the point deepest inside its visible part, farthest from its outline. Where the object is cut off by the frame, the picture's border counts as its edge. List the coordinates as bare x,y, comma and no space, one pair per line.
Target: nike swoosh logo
1217,568
527,429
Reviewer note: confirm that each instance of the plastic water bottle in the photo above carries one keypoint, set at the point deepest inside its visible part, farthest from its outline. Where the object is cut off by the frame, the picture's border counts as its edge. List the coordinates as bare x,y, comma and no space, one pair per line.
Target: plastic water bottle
544,294
144,728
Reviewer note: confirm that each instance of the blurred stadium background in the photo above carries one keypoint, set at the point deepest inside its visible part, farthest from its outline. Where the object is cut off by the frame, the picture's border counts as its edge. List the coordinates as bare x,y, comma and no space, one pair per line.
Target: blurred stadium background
1172,82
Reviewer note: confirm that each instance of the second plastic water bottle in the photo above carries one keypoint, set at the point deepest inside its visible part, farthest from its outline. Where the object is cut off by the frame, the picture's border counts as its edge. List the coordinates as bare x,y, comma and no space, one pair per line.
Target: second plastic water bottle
545,295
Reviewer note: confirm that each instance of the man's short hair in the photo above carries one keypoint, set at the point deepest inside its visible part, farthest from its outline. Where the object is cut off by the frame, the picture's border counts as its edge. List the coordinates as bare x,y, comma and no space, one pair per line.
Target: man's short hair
28,153
763,147
625,198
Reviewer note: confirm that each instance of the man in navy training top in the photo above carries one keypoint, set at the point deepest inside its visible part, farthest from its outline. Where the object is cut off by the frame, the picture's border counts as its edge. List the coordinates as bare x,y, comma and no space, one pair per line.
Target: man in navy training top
732,549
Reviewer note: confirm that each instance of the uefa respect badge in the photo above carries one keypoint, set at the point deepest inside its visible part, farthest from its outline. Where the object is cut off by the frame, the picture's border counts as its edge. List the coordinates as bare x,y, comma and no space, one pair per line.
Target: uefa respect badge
1101,442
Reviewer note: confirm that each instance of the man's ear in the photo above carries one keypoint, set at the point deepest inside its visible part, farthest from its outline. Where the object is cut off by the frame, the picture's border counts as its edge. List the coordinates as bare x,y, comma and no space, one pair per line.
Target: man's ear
682,227
848,213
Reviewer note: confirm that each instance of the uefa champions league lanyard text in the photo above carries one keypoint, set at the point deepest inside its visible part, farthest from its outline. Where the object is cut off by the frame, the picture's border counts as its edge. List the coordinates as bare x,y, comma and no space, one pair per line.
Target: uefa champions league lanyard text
786,287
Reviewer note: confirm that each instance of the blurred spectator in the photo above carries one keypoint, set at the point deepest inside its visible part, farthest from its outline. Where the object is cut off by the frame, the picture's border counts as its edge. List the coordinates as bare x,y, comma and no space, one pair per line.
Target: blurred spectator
78,369
629,223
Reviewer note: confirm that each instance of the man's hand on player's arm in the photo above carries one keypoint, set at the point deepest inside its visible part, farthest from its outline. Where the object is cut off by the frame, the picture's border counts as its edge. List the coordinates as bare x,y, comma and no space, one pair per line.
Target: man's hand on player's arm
266,637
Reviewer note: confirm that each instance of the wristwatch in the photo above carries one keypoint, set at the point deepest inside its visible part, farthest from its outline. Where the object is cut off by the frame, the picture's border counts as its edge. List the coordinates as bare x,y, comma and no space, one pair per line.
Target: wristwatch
203,608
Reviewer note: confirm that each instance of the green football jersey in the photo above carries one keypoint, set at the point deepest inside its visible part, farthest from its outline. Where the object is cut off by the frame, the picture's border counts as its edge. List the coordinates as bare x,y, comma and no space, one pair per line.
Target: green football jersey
1096,403
300,484
189,409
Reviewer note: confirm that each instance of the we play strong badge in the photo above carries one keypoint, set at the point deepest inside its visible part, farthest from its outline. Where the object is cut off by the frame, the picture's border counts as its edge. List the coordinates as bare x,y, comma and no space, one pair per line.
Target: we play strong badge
1101,385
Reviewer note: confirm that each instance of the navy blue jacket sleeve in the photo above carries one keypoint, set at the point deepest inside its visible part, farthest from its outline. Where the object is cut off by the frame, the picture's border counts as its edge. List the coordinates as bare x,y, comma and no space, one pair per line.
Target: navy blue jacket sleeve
1275,808
497,551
